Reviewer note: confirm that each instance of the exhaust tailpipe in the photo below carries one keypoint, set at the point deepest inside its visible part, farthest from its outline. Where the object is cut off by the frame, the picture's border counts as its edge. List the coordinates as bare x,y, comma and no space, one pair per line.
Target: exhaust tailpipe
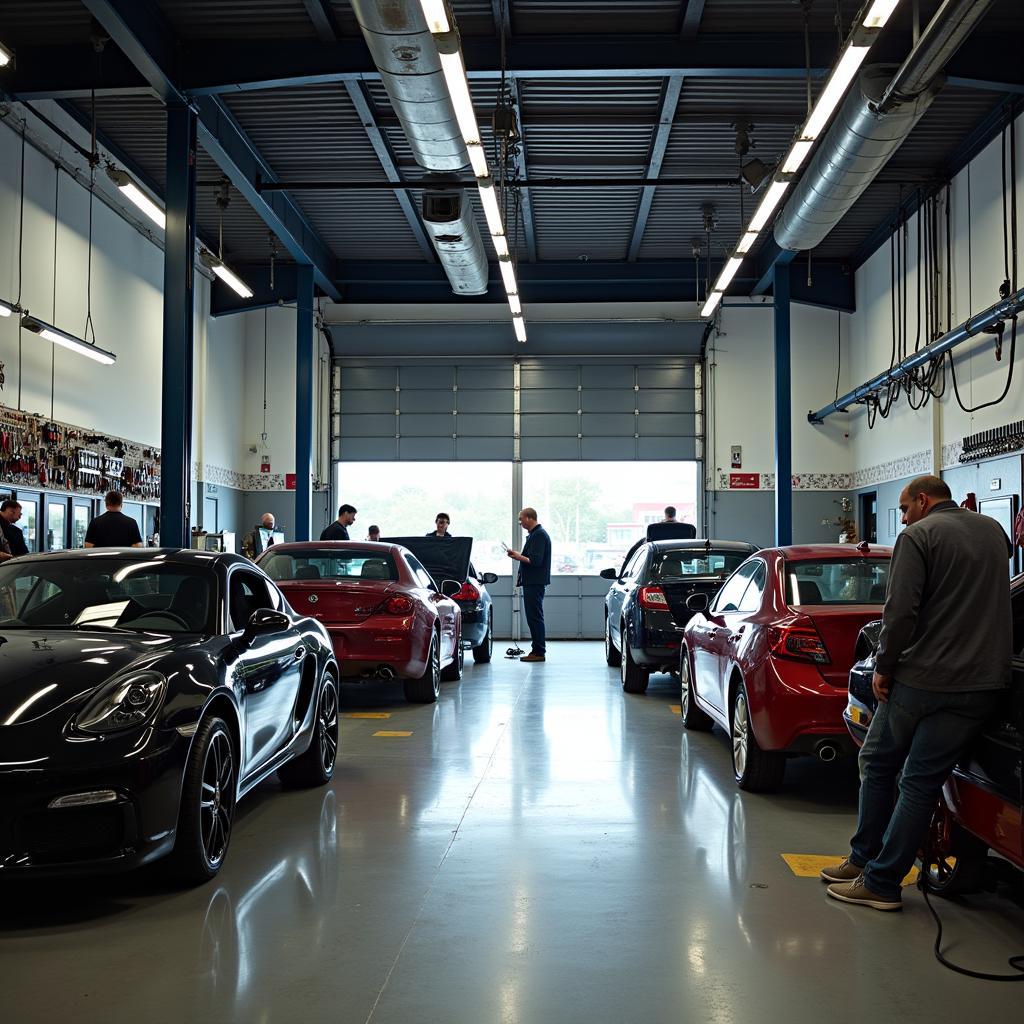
826,751
386,672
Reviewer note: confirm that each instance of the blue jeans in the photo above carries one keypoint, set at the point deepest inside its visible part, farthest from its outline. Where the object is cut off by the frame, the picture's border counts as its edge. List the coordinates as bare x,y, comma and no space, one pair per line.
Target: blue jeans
924,734
533,608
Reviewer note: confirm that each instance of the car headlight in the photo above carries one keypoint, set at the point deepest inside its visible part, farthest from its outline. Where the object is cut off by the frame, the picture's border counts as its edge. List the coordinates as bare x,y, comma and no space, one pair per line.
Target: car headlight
124,703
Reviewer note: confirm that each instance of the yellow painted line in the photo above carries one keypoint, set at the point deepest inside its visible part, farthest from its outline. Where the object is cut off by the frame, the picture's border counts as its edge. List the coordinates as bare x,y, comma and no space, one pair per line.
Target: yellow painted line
808,865
367,714
385,733
676,709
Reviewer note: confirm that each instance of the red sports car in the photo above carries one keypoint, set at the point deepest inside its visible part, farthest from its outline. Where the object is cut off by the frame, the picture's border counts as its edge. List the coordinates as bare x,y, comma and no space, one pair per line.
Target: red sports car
768,660
387,617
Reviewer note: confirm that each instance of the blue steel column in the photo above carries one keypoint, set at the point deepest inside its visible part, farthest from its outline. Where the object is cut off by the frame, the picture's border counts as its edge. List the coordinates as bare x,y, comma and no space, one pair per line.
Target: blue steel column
176,391
783,410
304,385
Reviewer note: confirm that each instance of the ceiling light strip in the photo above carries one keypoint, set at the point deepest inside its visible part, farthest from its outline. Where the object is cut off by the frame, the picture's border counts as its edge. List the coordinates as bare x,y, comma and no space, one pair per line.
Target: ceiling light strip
838,83
68,341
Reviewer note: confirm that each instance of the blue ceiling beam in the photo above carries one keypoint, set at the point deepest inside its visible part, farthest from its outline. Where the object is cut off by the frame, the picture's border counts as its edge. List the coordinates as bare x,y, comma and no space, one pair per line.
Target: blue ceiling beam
323,19
666,118
692,15
140,32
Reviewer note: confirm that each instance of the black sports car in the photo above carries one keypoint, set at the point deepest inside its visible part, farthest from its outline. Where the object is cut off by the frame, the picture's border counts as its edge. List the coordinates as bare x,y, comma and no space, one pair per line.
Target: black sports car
142,693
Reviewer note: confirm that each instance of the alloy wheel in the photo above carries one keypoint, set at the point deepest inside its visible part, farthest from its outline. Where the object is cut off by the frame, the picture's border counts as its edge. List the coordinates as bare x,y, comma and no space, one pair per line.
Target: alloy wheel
684,687
435,667
327,726
218,799
740,734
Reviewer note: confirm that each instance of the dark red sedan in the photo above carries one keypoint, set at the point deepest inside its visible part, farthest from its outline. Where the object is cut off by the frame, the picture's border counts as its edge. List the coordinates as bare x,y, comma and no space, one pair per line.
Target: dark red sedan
386,615
768,660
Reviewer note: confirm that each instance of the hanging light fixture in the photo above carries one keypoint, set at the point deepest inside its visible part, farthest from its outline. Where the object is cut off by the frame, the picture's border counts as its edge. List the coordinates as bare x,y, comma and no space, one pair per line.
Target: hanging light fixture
130,190
7,308
6,57
68,341
216,263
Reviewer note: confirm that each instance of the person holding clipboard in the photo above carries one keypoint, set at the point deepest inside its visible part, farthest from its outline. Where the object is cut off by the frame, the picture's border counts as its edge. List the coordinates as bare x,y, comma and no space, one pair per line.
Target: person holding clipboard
533,577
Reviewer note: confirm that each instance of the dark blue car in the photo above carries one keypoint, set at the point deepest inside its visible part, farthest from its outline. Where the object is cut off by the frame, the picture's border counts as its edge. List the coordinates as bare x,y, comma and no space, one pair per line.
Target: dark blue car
645,609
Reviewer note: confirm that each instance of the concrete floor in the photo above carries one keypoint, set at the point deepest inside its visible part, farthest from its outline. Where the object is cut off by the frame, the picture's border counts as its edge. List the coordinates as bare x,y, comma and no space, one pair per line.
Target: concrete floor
541,848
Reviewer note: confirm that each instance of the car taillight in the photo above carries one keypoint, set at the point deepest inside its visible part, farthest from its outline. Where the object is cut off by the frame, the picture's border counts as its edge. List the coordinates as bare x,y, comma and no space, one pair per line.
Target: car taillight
397,606
798,642
467,593
653,599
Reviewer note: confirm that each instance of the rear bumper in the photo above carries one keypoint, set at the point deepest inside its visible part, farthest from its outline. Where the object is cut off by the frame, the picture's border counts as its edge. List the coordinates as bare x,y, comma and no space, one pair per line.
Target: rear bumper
364,649
474,622
655,643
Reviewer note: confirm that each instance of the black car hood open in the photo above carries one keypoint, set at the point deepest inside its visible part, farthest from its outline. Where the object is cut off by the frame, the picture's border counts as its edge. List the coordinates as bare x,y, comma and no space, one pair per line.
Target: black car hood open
57,667
443,559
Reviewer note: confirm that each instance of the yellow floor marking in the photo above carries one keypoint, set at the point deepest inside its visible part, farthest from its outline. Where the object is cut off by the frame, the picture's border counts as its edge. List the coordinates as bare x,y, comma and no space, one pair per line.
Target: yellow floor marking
384,733
367,714
808,865
676,709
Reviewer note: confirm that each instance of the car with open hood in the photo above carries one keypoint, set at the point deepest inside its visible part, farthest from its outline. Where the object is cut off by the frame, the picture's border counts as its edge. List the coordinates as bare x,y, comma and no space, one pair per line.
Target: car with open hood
385,614
143,693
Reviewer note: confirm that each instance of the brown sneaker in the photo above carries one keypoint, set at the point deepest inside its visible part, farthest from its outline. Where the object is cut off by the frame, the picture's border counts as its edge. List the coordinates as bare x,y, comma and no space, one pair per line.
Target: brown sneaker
533,657
844,871
857,892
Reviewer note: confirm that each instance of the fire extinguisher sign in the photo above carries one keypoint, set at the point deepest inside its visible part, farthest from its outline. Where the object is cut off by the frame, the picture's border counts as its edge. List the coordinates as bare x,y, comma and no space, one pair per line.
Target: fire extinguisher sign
265,464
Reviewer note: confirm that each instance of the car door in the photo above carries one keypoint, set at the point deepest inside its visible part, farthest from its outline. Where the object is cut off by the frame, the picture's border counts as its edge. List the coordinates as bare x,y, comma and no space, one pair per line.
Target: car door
447,610
737,624
622,591
713,633
271,666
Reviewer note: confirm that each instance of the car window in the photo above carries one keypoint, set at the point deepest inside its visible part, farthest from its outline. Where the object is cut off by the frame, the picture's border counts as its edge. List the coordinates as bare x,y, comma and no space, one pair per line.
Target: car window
634,564
837,581
247,594
422,576
728,599
328,564
751,599
678,563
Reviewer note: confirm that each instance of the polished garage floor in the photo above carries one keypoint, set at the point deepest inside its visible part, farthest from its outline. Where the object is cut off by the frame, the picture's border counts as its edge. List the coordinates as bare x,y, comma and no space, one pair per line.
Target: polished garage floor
541,848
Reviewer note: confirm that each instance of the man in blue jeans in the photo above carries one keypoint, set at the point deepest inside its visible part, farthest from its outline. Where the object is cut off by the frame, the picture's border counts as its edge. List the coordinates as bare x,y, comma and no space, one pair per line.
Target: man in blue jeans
534,575
943,658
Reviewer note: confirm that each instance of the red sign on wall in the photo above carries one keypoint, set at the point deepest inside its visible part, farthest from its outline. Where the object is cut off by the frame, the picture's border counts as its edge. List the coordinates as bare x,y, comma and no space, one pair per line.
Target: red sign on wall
289,481
265,464
744,481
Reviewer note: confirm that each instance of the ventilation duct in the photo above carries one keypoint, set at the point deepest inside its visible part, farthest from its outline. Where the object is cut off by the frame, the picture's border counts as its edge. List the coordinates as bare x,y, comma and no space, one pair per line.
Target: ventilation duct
872,124
448,217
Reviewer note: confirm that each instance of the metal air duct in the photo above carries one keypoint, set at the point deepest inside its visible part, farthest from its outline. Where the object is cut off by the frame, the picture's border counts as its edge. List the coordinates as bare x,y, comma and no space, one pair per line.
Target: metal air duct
872,123
448,217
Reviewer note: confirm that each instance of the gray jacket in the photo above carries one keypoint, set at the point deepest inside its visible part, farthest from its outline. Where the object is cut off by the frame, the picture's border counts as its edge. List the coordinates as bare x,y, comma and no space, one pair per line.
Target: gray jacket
946,624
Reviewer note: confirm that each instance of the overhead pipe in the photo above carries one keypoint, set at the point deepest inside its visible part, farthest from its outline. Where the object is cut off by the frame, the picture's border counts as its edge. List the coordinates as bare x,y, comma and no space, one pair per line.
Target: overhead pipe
873,122
1002,310
406,56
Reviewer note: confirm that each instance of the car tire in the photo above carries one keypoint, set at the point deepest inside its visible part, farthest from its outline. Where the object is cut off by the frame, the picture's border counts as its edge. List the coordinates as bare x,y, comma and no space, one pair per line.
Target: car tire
482,653
315,765
692,716
634,678
612,655
453,673
427,688
756,770
207,808
960,867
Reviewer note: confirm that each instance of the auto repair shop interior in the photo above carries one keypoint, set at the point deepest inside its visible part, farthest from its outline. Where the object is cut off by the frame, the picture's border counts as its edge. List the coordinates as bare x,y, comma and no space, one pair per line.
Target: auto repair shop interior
703,283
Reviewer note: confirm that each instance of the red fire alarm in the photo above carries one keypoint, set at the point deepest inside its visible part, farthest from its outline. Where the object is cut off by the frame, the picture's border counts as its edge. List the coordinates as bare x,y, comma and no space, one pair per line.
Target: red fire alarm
265,464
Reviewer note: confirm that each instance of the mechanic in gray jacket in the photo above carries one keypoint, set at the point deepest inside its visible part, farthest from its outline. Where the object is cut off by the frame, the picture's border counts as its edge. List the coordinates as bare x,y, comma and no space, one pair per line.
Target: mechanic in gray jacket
943,658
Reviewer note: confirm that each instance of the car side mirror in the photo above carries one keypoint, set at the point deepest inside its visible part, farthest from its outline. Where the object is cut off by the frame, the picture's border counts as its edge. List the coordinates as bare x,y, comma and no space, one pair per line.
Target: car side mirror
697,602
489,578
265,620
450,587
609,574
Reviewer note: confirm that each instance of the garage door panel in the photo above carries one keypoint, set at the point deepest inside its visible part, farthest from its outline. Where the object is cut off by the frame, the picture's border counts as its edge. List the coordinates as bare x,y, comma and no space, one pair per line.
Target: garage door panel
667,448
368,426
426,449
486,378
667,401
555,400
549,449
355,377
549,425
484,449
608,401
608,424
368,449
608,375
536,378
364,402
608,449
485,401
592,618
666,377
484,426
431,401
664,425
421,425
427,376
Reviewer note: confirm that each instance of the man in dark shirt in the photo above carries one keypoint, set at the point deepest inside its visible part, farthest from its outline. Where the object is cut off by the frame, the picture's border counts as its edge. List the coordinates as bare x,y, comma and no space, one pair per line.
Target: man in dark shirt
113,529
441,523
534,575
338,530
10,513
939,671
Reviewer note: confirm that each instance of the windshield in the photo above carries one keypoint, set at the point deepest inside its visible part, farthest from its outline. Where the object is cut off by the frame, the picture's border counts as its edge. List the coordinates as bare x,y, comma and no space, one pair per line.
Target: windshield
837,581
326,564
107,593
674,565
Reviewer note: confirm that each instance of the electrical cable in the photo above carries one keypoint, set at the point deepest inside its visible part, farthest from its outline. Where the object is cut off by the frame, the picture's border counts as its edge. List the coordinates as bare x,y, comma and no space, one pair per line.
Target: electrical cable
21,250
56,222
839,348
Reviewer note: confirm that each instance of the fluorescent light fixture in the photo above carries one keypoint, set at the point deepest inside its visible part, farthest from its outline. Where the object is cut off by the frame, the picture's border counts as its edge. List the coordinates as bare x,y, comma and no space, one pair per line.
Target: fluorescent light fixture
879,13
6,308
229,277
835,88
69,341
520,327
732,264
437,16
747,242
772,198
501,246
458,90
515,305
492,212
126,184
508,275
797,155
712,304
6,56
478,160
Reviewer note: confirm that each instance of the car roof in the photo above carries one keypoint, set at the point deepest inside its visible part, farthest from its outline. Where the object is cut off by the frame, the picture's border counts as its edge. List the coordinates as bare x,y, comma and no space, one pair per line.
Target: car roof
342,545
801,552
185,556
702,544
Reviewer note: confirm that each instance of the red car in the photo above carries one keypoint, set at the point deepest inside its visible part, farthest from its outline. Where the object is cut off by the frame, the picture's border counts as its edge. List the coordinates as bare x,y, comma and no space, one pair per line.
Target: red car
387,617
768,660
